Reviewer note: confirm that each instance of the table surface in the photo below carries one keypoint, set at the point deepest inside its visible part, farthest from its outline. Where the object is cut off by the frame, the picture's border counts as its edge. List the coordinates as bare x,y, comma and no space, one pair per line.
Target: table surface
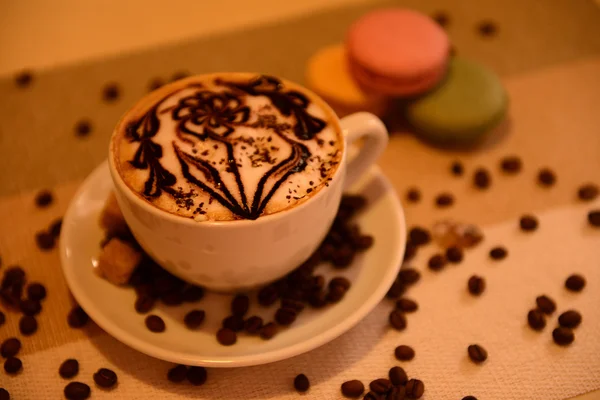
552,74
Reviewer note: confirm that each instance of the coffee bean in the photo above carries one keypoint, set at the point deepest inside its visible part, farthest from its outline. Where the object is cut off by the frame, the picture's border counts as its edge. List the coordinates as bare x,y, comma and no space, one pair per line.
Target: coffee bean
528,223
55,228
196,375
404,353
295,305
194,319
318,300
477,354
105,378
498,253
511,165
546,177
144,304
364,242
77,318
563,336
414,389
397,320
13,276
83,128
44,240
2,318
301,383
285,316
410,250
172,299
419,236
569,319
77,391
343,257
28,325
372,396
454,254
36,291
444,200
30,307
240,305
396,393
413,195
545,304
44,198
437,262
268,331
380,386
396,290
353,388
268,295
340,281
234,322
226,337
407,305
398,376
12,365
193,293
575,283
588,192
177,374
487,28
69,368
111,92
536,319
456,168
23,79
409,276
594,218
155,84
4,395
155,324
481,178
253,325
10,347
469,398
476,285
443,20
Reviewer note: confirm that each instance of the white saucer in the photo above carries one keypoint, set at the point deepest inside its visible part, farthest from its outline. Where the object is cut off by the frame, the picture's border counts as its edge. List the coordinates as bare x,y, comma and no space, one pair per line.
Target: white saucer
111,307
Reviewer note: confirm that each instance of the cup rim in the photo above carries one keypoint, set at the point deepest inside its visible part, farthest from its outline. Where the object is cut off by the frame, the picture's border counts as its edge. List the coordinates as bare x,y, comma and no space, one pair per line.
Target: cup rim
163,91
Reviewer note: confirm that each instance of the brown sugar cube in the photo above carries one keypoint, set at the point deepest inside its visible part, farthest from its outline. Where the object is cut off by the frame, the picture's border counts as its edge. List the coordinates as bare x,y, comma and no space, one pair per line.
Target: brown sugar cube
111,218
117,261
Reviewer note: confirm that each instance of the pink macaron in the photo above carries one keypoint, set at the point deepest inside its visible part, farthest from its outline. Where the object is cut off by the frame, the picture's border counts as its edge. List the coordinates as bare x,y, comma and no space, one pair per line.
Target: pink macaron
397,52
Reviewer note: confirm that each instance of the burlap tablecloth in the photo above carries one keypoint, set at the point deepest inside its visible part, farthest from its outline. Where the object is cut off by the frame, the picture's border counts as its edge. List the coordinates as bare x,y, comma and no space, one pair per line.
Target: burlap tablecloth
547,53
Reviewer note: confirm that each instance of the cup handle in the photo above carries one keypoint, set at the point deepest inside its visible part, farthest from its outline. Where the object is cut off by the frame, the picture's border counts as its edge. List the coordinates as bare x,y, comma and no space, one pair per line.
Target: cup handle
368,126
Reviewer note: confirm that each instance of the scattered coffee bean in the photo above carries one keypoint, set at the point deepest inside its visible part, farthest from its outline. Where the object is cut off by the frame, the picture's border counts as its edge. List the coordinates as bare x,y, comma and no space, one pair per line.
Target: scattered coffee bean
498,253
404,353
226,337
546,177
528,223
44,240
28,325
380,386
469,398
456,168
335,294
194,319
372,396
413,195
545,304
77,391
563,336
155,84
396,393
454,254
111,92
318,300
482,178
4,395
575,283
364,242
407,305
340,281
594,218
419,236
144,304
285,316
536,319
444,200
437,262
83,128
234,322
69,368
409,276
268,331
476,285
23,79
487,28
196,375
253,325
172,299
10,347
2,318
477,354
442,20
588,192
301,383
511,165
44,198
36,291
13,276
105,378
410,250
55,228
569,319
77,318
397,320
177,374
240,305
12,365
398,376
155,324
30,307
268,296
193,293
353,388
414,389
396,290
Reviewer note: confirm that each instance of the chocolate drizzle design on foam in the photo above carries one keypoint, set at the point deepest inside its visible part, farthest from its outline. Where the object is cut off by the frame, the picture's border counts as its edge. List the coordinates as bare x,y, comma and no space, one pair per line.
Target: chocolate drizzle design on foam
212,116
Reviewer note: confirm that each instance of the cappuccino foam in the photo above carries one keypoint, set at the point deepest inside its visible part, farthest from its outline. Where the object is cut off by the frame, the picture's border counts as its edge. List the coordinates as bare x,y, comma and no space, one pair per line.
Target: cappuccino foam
227,147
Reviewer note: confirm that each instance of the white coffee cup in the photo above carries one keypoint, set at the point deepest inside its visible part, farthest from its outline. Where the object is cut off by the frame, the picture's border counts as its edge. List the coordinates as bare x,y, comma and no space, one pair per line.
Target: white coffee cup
241,254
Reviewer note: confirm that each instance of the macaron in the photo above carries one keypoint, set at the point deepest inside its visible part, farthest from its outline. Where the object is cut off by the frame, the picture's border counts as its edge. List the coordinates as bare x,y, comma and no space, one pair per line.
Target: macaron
463,108
328,75
397,52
